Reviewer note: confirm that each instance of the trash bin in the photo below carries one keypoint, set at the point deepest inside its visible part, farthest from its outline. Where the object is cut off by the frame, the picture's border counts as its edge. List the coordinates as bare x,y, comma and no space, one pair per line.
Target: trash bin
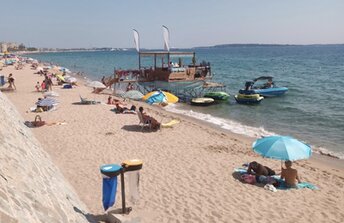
110,173
2,80
132,169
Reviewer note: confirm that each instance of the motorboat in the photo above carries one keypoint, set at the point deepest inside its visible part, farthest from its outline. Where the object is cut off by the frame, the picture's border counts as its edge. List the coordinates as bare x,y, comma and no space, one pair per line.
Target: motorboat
217,96
269,88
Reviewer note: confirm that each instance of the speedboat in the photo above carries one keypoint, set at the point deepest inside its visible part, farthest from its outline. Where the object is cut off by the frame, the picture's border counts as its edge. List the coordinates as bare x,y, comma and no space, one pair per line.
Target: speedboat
247,95
269,89
217,96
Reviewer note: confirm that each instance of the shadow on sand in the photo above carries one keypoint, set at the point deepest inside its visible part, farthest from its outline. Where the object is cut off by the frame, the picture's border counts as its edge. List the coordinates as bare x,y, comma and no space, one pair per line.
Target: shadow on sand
137,128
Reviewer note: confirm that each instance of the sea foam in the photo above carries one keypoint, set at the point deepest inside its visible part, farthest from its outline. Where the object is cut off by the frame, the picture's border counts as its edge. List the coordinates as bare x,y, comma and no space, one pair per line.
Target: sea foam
239,128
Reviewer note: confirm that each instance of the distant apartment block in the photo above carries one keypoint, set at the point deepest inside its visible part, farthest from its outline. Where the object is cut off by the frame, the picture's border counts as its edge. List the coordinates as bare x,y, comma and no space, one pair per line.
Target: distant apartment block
8,46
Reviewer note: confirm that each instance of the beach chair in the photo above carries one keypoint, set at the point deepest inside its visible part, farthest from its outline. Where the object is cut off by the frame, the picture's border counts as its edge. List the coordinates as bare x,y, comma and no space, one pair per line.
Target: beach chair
144,123
86,101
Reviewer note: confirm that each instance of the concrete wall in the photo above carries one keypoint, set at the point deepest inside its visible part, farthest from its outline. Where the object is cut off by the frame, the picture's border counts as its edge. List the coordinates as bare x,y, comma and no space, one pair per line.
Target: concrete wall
32,189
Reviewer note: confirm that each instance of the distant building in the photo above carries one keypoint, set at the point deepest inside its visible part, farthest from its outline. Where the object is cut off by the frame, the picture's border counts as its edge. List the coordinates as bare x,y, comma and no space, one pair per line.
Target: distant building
3,47
8,46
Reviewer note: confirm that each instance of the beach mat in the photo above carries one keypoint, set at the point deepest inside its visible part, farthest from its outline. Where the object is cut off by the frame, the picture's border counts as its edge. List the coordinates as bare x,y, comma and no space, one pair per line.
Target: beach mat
282,185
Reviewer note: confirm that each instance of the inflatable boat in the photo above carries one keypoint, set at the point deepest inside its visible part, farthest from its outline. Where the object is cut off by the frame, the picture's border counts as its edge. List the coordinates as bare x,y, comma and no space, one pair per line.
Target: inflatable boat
202,101
218,96
248,98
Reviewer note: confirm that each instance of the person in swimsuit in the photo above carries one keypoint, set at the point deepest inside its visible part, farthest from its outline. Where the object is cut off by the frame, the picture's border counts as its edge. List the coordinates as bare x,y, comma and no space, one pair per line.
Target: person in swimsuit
290,175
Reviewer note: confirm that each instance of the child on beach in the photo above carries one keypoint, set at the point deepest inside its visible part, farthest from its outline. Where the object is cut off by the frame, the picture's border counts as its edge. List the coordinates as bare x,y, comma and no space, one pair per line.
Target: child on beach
37,86
43,85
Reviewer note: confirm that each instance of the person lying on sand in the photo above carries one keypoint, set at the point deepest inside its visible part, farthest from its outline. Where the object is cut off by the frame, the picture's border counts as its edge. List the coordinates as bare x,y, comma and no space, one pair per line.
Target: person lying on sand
290,175
40,123
258,169
146,118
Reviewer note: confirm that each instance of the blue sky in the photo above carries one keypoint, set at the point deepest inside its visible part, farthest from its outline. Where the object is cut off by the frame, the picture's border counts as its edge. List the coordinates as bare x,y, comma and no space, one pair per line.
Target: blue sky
109,23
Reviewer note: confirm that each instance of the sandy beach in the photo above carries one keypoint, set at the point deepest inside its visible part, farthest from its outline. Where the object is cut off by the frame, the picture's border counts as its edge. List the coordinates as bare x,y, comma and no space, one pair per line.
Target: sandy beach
187,173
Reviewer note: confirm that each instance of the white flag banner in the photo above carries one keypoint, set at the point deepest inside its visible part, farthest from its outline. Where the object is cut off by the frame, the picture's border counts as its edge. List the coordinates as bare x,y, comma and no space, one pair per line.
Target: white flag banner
137,40
166,34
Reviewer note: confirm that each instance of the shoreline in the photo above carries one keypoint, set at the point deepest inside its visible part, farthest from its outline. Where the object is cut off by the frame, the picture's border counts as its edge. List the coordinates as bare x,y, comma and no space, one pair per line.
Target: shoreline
316,149
187,170
323,151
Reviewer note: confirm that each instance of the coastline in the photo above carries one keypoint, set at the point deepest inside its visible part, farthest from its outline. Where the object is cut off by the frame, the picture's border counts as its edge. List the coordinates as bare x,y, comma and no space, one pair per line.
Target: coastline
180,164
327,144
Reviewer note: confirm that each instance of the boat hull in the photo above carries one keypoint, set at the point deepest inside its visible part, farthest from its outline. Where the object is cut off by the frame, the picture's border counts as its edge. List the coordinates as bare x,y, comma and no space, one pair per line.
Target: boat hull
248,99
271,92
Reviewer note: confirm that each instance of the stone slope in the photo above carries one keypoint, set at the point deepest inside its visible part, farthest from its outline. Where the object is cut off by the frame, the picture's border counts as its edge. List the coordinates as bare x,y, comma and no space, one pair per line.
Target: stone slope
32,189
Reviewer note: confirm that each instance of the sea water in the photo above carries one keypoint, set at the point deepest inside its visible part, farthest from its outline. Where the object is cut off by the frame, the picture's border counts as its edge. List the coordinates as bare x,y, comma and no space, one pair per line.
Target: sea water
312,110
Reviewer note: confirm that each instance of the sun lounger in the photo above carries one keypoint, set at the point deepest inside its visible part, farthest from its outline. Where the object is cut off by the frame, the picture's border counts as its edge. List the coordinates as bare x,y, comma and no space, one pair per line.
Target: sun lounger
86,101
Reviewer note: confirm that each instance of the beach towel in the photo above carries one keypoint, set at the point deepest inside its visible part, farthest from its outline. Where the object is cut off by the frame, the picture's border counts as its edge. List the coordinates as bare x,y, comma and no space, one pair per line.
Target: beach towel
170,124
282,185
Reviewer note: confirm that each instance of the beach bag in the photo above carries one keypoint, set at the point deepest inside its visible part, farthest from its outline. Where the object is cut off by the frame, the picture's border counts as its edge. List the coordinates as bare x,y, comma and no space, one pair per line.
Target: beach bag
248,178
38,121
39,109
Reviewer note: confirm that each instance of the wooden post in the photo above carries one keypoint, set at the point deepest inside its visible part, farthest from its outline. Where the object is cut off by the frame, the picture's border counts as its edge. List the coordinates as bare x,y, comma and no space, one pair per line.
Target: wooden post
124,211
139,61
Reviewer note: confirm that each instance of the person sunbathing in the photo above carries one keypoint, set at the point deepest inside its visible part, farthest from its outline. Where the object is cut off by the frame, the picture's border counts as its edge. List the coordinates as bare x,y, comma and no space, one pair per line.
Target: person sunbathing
290,175
146,118
259,170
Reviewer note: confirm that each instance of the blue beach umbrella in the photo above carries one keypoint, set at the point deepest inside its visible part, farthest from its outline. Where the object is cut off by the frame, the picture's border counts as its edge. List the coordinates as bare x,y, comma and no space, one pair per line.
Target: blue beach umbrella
157,97
282,148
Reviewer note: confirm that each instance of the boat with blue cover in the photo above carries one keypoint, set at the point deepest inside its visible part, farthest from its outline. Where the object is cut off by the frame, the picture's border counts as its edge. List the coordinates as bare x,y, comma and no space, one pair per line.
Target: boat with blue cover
268,89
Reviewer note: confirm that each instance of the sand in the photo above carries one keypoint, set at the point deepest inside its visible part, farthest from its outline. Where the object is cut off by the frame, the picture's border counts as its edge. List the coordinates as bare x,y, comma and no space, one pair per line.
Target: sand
187,174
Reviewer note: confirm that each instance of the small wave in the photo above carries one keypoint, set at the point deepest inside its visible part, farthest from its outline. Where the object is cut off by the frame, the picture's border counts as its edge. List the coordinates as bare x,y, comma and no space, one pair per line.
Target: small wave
238,128
226,124
326,152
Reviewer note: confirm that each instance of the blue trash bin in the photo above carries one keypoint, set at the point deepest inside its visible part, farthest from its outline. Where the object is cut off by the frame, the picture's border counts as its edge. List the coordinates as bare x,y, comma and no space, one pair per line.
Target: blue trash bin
2,80
110,173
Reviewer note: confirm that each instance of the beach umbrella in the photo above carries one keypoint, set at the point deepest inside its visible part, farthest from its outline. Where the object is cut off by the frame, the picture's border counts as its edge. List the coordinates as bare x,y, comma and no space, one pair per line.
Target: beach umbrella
47,102
157,97
169,98
95,84
282,148
71,80
60,77
50,94
133,94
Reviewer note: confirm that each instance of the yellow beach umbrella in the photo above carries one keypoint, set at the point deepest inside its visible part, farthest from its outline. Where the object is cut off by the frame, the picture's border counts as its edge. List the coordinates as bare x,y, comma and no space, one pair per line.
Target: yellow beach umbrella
60,77
171,98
